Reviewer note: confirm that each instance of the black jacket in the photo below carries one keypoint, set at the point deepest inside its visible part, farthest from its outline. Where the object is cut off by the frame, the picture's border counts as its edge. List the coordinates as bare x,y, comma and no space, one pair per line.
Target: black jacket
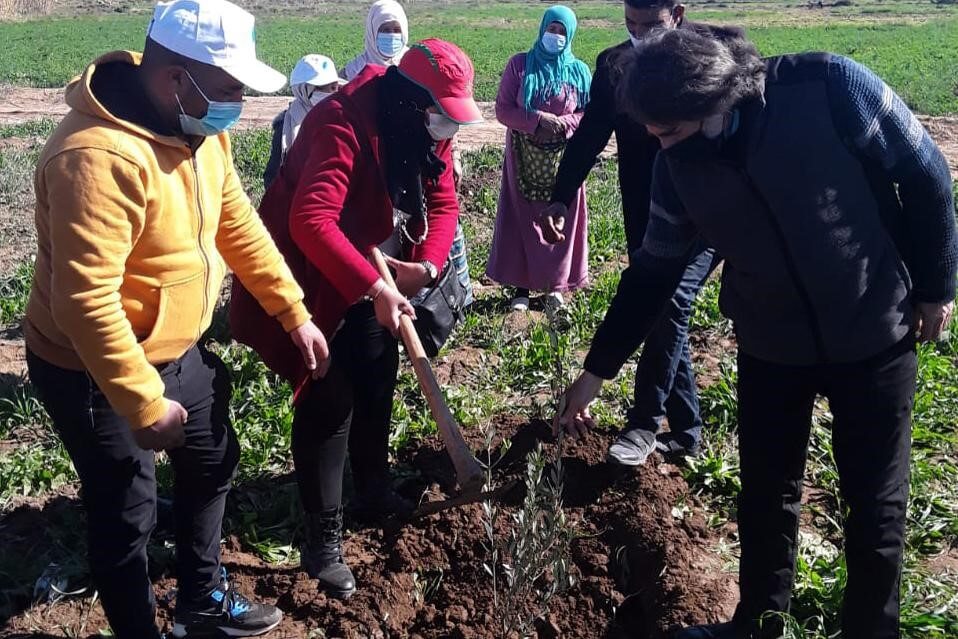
636,148
275,151
833,210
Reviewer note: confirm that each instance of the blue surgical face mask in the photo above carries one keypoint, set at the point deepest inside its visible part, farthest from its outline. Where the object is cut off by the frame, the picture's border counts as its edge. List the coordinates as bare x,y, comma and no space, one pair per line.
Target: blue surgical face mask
219,117
389,44
553,42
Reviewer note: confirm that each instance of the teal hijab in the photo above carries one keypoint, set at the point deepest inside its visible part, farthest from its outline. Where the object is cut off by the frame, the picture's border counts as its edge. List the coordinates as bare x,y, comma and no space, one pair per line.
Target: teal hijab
547,73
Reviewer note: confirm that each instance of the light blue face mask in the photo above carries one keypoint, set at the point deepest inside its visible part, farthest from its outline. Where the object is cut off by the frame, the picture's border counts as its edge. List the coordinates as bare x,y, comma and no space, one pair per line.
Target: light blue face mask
553,43
389,44
219,117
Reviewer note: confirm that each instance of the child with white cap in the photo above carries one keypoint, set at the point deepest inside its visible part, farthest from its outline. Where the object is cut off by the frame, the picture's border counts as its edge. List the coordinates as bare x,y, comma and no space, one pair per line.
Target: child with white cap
314,78
139,213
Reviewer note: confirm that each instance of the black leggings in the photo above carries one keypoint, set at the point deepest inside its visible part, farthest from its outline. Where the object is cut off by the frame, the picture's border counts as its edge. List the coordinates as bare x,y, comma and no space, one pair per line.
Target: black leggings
351,407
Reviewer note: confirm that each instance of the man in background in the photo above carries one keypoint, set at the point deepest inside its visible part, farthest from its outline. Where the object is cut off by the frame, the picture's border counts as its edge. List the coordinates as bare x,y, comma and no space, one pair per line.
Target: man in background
664,381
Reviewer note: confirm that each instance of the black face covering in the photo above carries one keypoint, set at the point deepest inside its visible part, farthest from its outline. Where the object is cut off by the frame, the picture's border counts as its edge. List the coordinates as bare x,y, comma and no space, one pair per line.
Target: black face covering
407,148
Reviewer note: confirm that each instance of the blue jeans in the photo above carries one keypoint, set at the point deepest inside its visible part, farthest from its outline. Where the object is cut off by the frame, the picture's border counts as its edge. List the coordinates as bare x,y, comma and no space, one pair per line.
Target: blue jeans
664,380
458,256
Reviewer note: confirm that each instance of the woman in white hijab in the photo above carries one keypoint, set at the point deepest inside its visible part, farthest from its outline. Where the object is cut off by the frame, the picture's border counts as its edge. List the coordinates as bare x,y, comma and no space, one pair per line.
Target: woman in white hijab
387,37
314,78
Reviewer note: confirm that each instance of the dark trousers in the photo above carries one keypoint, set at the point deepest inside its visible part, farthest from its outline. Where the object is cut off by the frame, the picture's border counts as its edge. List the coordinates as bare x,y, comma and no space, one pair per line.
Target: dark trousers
350,409
119,483
871,403
664,379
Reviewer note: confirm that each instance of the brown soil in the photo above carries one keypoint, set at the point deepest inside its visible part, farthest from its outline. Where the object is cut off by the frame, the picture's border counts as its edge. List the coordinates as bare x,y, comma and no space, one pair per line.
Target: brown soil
13,358
460,367
944,564
641,568
944,130
22,104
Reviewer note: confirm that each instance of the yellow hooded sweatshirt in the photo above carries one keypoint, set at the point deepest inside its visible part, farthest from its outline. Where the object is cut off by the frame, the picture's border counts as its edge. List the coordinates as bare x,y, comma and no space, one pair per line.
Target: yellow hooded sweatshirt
133,229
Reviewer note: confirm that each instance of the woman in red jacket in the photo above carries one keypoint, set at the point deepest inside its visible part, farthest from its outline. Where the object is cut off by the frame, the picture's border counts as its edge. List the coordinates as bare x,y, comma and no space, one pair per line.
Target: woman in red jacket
382,142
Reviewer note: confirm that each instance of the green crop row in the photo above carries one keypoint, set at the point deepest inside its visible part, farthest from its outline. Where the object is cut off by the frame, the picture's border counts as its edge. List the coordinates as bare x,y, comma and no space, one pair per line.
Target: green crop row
916,57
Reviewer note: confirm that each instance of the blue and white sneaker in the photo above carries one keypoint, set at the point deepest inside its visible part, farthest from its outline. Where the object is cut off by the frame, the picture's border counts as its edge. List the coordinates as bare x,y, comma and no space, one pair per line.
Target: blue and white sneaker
229,614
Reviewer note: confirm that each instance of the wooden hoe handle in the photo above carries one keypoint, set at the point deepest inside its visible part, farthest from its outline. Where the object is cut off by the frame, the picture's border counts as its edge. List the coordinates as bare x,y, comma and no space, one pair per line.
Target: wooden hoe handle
468,471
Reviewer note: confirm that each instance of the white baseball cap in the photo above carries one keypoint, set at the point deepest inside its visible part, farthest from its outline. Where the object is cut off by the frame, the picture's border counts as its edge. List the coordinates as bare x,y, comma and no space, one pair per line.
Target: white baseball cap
315,69
217,33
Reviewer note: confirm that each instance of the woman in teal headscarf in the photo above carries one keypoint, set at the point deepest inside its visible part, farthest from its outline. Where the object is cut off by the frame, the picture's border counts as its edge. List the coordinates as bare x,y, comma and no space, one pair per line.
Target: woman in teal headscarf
540,101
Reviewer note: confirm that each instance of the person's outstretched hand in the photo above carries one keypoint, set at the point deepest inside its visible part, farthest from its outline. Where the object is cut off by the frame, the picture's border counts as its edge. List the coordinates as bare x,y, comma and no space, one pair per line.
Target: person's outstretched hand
552,222
167,433
312,344
576,419
933,319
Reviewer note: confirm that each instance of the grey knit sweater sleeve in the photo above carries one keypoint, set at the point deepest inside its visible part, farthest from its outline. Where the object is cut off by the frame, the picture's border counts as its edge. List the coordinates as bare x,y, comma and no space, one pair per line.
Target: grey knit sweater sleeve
649,282
875,122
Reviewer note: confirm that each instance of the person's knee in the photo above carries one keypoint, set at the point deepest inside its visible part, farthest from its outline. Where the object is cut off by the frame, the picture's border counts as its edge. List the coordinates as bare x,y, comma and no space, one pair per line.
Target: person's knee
118,537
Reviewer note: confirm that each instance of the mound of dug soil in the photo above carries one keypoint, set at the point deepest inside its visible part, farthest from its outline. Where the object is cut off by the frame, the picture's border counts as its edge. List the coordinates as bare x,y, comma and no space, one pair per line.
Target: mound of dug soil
641,560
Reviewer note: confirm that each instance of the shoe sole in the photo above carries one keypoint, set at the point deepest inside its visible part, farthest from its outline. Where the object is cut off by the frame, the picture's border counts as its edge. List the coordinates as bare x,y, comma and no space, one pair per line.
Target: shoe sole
612,459
342,595
180,631
335,593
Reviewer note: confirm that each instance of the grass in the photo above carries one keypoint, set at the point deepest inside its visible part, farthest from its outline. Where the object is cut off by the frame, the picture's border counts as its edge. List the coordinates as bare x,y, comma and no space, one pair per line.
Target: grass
33,128
928,604
14,292
915,57
32,461
251,153
515,376
16,175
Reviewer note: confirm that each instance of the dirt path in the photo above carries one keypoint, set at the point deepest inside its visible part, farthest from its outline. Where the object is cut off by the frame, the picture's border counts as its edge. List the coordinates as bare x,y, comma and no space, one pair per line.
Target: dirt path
20,104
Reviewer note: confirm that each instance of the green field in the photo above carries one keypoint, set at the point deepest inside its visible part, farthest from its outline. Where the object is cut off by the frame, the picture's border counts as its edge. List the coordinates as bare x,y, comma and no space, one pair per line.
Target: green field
34,463
917,57
912,45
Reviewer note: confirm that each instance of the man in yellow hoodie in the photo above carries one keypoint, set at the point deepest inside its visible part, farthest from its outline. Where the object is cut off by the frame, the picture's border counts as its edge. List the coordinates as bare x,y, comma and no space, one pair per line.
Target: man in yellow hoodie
139,214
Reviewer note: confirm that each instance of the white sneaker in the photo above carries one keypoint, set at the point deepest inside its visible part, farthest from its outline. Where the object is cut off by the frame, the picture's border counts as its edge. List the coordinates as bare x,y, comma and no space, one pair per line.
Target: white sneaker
520,304
632,447
554,299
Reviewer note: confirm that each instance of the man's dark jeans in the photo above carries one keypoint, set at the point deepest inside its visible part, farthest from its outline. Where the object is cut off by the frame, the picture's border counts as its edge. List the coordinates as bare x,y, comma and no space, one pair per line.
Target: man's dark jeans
871,403
664,380
119,483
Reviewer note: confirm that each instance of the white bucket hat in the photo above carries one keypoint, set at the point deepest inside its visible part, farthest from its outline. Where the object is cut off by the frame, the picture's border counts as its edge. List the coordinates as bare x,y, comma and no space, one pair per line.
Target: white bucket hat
217,33
315,69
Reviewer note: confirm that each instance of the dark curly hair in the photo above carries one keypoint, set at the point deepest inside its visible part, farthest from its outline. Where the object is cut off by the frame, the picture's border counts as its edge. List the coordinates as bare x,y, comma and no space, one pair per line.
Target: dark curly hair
679,75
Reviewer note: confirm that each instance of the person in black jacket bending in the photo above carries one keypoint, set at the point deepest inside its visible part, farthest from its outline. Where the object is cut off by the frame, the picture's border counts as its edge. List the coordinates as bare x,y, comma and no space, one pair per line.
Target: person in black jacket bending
664,381
834,211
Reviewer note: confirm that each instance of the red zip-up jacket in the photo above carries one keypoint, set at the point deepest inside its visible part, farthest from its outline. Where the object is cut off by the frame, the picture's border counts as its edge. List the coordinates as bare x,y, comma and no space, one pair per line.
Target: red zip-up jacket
327,209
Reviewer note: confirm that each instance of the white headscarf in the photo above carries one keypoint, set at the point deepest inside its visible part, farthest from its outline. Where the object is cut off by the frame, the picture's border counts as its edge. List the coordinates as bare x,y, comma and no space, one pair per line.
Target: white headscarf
311,71
296,113
380,13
